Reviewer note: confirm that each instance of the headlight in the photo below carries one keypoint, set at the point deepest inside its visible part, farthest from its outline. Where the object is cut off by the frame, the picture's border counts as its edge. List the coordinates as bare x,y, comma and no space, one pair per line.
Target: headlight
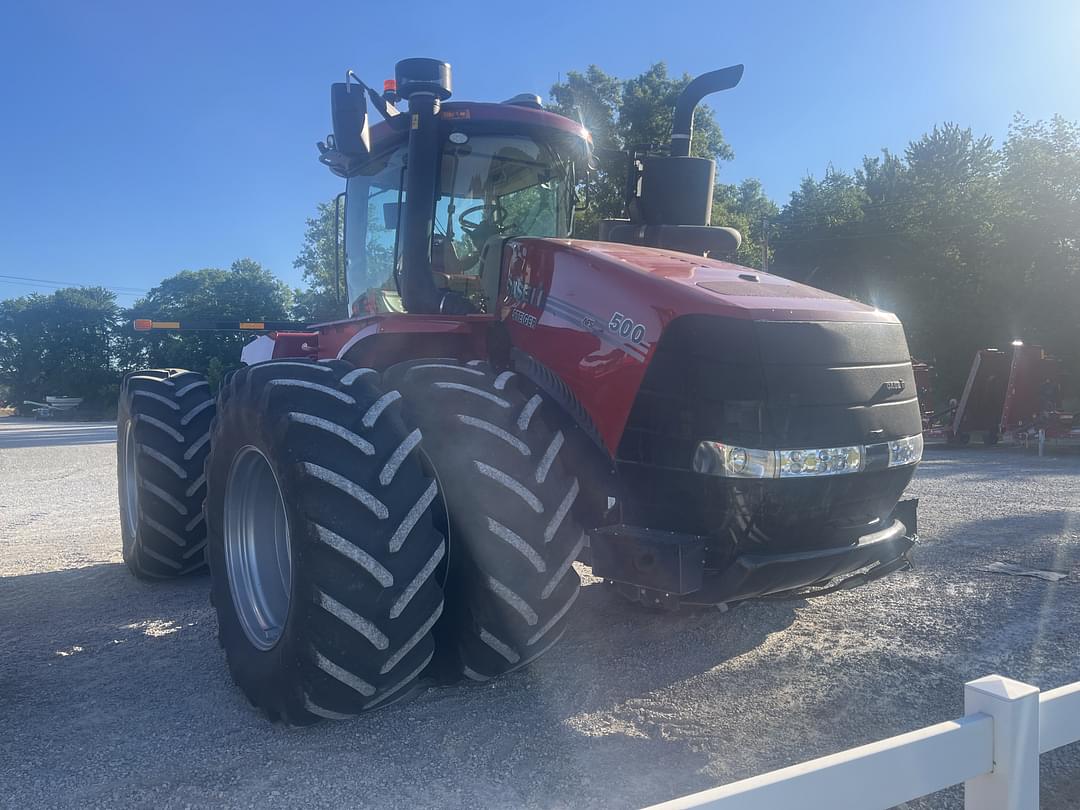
729,461
715,458
829,461
905,451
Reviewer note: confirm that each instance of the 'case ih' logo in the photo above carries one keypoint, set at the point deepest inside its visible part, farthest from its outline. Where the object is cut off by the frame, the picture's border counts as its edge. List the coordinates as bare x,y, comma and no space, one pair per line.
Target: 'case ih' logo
893,386
526,294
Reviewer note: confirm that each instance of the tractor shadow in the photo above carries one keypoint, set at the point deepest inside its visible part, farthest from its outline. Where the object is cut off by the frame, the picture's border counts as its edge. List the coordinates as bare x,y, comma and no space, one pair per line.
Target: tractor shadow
598,708
623,650
63,633
612,650
100,668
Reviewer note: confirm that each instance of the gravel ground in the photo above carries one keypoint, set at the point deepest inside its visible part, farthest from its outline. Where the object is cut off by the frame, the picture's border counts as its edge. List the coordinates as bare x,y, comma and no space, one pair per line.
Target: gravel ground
114,692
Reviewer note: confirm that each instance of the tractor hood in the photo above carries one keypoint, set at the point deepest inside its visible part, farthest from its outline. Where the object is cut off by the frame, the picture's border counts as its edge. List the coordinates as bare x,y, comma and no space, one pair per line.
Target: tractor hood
693,284
817,370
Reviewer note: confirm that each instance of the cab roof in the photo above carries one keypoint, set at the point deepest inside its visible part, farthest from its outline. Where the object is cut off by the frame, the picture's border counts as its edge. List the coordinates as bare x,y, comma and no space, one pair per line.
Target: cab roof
501,117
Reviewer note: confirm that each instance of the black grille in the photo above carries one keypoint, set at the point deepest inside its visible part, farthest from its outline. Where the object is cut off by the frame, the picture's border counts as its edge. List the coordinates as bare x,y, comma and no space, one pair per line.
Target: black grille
733,381
767,385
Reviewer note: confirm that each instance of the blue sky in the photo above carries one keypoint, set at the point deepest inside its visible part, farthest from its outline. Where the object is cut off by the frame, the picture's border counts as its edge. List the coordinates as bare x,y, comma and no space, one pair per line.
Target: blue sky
141,138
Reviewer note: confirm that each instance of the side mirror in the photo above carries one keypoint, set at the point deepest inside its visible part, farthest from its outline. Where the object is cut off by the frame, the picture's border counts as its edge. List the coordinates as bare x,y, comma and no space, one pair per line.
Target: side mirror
348,105
392,215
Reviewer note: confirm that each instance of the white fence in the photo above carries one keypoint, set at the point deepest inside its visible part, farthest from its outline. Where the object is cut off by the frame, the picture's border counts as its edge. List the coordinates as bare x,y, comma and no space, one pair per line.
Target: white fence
994,750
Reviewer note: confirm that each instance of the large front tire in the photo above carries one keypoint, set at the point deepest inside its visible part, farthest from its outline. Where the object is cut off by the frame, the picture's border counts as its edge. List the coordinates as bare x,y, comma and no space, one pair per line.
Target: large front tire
499,448
163,430
323,554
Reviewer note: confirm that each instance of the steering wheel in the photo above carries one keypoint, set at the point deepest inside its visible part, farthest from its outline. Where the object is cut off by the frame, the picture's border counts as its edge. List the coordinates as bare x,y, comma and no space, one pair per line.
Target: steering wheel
480,232
498,212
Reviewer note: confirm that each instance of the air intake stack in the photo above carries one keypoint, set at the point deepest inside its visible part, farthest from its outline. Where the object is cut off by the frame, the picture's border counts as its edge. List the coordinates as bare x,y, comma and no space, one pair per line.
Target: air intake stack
669,197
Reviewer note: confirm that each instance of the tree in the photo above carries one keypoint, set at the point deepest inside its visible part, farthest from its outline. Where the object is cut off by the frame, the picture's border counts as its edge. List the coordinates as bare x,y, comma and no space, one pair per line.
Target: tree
244,292
970,244
947,292
320,300
914,234
59,345
1040,184
813,233
623,114
593,99
746,208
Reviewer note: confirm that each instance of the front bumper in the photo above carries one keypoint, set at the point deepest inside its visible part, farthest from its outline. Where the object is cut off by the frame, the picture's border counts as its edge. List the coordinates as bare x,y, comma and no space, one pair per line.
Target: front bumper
668,569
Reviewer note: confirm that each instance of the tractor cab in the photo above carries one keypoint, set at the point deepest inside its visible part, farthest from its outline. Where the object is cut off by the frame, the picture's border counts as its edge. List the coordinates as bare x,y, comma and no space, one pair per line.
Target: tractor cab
432,192
497,179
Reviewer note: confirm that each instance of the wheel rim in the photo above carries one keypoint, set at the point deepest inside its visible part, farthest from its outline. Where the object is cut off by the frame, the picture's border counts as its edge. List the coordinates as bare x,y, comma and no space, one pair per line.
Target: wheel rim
258,557
131,480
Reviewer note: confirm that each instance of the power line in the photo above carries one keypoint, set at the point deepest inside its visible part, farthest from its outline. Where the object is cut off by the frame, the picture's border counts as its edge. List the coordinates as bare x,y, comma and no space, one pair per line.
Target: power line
63,287
73,283
878,235
810,220
28,281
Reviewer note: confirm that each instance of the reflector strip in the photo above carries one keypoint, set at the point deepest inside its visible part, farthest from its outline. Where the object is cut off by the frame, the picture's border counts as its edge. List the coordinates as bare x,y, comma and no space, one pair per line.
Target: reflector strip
146,325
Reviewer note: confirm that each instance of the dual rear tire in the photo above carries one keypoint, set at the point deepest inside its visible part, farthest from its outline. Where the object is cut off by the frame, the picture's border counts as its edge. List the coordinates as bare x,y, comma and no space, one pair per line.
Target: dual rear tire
323,552
163,439
330,491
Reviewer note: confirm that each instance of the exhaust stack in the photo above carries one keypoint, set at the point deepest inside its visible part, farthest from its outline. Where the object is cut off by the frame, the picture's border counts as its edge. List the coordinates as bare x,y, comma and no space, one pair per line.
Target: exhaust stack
682,125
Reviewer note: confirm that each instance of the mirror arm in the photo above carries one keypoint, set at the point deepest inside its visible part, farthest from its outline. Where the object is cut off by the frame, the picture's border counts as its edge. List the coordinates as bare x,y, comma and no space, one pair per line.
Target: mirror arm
387,110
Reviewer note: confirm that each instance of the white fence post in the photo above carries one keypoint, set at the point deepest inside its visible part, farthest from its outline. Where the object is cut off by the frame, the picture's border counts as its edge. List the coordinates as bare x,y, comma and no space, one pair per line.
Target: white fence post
1014,782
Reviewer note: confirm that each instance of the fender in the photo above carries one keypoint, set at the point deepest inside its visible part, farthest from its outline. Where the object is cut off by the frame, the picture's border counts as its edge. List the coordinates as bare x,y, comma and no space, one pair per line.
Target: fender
380,341
549,382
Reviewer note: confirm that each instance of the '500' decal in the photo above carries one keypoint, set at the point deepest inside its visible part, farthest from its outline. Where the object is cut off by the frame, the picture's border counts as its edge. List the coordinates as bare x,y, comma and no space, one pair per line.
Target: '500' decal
625,327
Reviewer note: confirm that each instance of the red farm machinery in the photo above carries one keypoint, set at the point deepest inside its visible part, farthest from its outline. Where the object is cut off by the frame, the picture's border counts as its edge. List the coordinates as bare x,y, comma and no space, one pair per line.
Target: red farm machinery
399,497
1012,397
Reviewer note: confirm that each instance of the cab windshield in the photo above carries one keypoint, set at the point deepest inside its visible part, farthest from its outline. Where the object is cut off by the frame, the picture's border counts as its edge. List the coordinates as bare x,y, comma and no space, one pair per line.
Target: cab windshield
492,187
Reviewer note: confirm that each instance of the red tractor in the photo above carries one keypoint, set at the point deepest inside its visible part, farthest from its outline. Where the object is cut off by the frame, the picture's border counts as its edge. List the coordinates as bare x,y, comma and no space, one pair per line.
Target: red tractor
401,495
